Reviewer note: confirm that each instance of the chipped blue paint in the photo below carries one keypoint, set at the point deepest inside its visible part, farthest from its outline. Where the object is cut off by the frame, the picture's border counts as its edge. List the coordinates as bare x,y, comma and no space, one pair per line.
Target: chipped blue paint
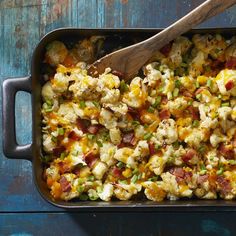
22,24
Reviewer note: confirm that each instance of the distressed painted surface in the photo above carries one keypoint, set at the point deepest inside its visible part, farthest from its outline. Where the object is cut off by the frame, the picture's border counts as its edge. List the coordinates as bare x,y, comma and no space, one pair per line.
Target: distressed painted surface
116,224
22,24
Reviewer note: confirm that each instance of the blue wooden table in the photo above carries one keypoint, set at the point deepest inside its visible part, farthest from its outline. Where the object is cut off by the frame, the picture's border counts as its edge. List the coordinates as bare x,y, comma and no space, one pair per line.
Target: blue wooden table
22,210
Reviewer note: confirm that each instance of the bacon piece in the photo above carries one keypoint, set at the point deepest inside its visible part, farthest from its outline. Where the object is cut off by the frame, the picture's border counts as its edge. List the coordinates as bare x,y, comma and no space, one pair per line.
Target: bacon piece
81,125
224,184
134,113
234,140
194,112
64,167
202,178
188,176
152,149
177,171
65,184
117,172
231,63
127,138
189,155
166,49
90,158
93,129
186,93
74,136
229,85
118,73
164,114
164,100
226,151
58,150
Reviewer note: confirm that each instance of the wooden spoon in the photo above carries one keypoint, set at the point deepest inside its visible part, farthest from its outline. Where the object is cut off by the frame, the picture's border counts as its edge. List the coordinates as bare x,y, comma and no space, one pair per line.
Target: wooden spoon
129,60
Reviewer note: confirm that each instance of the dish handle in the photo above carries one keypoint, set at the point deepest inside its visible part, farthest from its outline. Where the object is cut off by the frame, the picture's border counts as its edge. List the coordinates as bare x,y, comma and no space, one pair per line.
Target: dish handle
11,148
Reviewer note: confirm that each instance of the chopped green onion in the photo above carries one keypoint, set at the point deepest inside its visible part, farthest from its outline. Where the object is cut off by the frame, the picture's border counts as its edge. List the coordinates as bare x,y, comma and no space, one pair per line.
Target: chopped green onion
225,104
147,136
99,143
80,181
90,136
120,164
157,102
190,102
135,171
93,195
90,178
80,189
63,155
197,84
154,178
151,109
202,172
124,181
202,149
83,197
46,158
177,83
82,104
135,123
198,96
99,189
60,131
48,110
96,104
49,103
195,123
176,144
134,179
183,64
54,139
123,87
146,126
220,171
203,167
176,92
209,83
139,175
232,162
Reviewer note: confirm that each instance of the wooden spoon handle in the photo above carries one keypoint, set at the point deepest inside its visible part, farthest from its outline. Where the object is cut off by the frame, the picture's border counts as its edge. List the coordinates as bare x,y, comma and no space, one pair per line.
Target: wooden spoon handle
203,12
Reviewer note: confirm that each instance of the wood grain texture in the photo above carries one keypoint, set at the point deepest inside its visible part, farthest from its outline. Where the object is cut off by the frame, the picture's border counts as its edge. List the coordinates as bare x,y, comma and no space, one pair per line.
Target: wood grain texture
22,24
130,224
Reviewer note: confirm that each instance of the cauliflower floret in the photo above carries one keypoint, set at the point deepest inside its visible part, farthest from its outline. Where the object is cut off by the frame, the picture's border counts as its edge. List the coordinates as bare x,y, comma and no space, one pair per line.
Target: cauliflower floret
115,136
217,137
195,137
48,144
53,172
76,154
212,159
60,83
157,164
224,112
126,191
223,79
233,114
47,91
167,130
152,74
107,81
139,131
154,191
141,150
209,123
137,93
67,112
119,108
111,96
107,119
196,65
125,155
177,106
99,170
106,192
107,152
56,53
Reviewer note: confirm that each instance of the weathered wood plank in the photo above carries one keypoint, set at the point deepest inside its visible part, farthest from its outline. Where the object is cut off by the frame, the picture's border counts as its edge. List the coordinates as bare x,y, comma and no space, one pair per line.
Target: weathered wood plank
24,22
117,224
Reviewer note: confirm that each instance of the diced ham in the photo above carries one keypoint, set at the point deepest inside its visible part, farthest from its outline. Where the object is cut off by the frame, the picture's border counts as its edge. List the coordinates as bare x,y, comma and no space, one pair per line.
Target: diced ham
164,114
202,178
72,135
189,155
229,85
93,129
128,138
224,184
90,158
227,151
231,63
166,49
81,125
152,149
58,150
117,172
118,73
65,184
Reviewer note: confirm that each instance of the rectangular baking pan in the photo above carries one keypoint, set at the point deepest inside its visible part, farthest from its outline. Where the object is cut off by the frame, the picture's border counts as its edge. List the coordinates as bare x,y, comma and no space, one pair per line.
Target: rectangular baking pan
33,83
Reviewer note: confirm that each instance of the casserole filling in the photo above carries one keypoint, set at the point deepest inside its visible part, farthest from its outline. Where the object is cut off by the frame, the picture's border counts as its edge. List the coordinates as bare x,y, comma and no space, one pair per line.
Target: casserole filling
169,133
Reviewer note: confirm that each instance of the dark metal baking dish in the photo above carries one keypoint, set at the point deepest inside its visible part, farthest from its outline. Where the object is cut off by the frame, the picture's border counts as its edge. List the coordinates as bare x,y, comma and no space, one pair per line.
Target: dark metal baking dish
32,152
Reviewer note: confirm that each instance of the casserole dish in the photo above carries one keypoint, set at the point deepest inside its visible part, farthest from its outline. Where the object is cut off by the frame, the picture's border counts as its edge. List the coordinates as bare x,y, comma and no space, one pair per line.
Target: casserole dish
33,84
